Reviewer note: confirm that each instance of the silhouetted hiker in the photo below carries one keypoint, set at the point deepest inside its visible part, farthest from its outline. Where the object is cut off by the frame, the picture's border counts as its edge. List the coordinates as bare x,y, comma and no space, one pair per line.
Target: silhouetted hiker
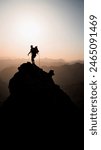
33,51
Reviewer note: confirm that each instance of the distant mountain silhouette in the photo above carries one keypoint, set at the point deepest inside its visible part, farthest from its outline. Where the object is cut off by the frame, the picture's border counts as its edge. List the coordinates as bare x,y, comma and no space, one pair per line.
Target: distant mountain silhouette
70,77
3,91
7,73
38,106
43,61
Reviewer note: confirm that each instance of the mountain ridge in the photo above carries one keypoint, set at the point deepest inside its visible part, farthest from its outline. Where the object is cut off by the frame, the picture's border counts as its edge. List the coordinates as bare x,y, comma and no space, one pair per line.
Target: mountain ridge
38,106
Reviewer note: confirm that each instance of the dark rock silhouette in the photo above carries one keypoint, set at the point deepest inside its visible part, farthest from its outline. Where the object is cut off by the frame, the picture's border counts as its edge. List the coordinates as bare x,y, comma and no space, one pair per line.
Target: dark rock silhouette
38,106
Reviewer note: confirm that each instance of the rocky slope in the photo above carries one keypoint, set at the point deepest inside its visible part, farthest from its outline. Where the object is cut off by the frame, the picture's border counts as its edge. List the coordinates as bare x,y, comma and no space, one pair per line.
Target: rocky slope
38,106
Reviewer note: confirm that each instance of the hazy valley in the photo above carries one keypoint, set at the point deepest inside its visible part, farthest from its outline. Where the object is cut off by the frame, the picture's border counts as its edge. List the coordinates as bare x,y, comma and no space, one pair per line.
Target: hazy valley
70,77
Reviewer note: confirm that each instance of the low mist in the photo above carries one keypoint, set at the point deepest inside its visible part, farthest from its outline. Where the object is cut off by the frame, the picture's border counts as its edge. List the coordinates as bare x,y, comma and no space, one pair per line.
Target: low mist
69,76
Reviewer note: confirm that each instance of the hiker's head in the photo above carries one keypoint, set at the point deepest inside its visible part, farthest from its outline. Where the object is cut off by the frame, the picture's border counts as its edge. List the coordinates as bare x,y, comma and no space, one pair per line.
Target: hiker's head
31,46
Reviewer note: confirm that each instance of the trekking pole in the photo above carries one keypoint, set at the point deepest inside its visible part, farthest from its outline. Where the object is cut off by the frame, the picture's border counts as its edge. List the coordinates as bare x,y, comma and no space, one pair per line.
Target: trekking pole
39,59
28,57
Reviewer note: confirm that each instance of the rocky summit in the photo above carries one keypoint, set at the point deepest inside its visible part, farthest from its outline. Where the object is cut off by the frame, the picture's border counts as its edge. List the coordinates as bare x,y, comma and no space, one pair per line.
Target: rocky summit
32,89
38,106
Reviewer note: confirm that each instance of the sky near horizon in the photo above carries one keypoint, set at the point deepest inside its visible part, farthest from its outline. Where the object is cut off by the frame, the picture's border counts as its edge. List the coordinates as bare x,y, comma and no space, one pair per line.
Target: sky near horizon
55,26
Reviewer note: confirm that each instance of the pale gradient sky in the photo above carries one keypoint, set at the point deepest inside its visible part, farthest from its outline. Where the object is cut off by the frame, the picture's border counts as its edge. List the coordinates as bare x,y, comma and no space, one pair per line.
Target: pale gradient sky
55,26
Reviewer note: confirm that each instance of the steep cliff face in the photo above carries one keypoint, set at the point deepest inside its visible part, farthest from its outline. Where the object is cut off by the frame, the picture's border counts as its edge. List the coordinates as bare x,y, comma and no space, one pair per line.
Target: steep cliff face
33,89
39,105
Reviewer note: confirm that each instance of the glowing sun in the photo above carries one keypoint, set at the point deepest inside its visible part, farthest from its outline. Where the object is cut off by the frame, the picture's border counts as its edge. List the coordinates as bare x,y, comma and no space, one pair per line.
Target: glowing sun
28,30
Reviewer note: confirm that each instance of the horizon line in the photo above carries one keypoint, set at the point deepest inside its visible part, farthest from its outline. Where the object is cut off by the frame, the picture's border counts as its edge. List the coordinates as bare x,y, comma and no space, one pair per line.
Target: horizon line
55,59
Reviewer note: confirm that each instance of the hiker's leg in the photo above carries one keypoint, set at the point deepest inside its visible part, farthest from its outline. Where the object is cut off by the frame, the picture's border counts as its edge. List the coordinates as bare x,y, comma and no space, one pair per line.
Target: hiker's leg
32,59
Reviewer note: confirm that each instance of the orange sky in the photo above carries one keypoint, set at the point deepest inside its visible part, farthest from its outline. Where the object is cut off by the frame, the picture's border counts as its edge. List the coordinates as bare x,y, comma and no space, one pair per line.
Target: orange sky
55,26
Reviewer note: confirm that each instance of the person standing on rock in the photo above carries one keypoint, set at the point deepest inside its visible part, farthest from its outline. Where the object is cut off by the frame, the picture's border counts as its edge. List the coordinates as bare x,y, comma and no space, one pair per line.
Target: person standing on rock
33,51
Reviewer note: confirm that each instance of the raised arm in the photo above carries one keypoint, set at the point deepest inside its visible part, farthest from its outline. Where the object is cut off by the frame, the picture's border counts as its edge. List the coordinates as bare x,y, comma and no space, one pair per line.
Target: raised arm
29,52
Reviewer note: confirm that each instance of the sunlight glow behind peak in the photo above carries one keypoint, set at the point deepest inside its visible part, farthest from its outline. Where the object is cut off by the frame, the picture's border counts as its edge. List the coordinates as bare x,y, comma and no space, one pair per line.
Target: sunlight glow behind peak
27,30
56,28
